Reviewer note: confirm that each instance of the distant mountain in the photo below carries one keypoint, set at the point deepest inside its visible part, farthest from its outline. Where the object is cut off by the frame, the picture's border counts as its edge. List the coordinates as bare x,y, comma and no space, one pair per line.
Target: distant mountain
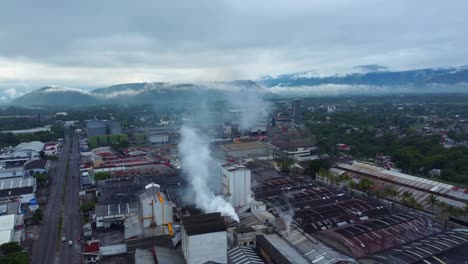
56,96
375,78
159,93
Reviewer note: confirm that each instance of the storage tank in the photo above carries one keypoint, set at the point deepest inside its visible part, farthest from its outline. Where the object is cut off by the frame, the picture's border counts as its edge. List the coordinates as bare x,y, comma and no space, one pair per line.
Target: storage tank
96,128
114,127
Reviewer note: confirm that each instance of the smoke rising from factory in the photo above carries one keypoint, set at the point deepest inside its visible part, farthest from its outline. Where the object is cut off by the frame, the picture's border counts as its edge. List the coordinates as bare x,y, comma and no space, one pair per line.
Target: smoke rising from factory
251,106
196,159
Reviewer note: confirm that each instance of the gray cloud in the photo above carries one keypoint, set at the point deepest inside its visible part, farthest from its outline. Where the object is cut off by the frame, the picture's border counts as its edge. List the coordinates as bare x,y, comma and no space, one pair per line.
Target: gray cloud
94,43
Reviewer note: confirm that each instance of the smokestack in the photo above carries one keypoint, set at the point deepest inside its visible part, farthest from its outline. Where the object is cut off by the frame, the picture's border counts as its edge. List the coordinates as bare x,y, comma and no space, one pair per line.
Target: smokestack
196,159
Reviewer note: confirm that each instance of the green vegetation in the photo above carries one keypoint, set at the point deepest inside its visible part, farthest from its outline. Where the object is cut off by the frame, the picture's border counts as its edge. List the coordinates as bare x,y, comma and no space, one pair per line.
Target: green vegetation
37,216
15,258
86,207
118,141
315,166
10,247
41,178
374,129
12,254
285,165
9,139
140,138
99,176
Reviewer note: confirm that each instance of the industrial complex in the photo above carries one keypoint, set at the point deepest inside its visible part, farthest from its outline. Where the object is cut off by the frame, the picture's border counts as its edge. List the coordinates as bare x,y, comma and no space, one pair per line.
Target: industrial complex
246,196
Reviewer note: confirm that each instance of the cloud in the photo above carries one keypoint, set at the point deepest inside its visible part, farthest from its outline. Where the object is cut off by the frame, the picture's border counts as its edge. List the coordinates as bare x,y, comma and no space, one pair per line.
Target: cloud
371,67
94,43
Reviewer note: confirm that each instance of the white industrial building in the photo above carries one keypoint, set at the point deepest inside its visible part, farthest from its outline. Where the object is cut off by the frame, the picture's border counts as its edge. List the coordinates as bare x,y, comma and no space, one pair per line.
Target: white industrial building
236,181
156,210
28,149
204,238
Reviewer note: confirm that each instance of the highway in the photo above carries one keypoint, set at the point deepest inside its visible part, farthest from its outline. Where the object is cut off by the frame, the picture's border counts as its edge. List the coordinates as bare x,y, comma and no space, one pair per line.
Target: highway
71,228
45,249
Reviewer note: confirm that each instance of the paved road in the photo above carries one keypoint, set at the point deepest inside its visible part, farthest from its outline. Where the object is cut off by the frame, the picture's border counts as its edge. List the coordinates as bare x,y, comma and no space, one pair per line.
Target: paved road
71,210
44,249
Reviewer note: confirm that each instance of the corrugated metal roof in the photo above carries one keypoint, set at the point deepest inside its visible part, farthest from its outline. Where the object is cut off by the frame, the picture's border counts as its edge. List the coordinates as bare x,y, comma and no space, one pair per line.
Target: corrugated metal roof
243,255
16,183
113,250
424,248
379,234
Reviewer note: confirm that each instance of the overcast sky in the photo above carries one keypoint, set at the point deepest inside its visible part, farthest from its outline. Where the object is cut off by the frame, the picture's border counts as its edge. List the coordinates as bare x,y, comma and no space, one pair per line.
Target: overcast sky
98,43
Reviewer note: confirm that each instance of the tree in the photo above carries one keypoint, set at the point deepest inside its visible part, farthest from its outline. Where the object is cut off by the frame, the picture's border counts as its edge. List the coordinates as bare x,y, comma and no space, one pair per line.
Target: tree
365,184
86,207
37,216
315,166
98,176
431,200
329,178
41,177
285,164
15,258
407,198
10,247
31,173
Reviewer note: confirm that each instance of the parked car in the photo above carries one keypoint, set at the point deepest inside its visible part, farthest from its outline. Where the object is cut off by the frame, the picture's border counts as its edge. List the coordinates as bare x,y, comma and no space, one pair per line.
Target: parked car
70,243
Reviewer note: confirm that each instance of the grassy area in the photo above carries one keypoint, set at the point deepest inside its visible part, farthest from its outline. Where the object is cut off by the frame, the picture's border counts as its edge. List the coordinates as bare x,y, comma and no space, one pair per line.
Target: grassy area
59,230
64,189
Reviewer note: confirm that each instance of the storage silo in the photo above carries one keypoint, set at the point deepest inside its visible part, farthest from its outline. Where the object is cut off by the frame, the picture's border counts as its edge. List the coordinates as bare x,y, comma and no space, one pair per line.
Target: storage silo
96,128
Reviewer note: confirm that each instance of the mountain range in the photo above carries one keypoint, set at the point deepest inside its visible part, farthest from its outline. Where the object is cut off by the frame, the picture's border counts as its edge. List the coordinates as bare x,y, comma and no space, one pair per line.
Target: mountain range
376,80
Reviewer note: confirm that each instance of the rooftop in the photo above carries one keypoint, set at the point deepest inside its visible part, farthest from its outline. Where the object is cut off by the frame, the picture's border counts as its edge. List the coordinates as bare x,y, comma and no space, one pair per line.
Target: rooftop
168,256
243,146
116,209
311,248
33,145
13,183
359,240
425,249
420,186
243,255
201,224
36,164
7,227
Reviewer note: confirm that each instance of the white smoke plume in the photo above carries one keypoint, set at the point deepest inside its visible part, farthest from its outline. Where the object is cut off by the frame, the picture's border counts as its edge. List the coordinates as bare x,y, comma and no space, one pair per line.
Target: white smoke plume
196,159
251,105
286,215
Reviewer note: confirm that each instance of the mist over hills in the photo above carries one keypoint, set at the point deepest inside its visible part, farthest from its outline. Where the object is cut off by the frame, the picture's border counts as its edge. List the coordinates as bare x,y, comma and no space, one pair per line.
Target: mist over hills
374,80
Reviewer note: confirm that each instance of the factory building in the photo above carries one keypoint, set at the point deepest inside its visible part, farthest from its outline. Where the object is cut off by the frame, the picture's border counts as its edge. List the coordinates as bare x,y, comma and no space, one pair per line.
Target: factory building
155,208
103,127
236,182
204,239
